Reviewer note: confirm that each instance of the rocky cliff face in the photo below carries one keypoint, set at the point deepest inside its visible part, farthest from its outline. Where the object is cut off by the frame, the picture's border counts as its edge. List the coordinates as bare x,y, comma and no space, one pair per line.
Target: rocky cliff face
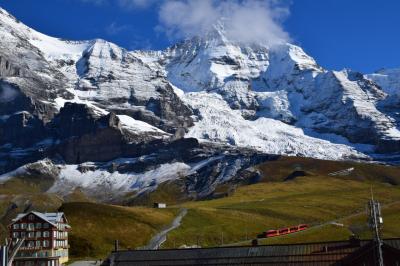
204,110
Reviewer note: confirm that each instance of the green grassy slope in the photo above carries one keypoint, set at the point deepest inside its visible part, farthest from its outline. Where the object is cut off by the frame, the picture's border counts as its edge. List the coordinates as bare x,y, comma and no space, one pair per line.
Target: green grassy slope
316,199
96,226
351,225
278,170
259,207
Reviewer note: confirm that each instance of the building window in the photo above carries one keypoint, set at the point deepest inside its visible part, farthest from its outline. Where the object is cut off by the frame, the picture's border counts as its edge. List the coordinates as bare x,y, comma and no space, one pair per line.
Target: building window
31,226
31,217
16,226
31,234
38,234
46,243
15,235
45,225
22,234
23,226
31,244
46,234
38,225
38,243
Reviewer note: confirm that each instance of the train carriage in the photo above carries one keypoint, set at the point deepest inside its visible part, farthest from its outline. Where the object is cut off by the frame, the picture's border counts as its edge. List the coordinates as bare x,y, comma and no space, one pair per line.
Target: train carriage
283,231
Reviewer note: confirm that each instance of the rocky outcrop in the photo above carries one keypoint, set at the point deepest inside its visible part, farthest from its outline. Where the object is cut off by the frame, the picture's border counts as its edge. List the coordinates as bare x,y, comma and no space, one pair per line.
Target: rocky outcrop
7,69
86,136
228,169
104,145
22,130
76,120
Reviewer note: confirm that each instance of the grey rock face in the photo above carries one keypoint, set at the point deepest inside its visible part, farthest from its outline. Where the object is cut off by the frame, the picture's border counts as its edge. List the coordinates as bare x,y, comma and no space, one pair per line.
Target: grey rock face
86,137
22,130
75,120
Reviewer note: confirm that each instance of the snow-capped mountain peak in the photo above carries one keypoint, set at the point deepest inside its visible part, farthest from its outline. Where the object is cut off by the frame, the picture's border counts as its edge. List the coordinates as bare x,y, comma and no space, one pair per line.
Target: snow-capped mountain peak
275,99
206,108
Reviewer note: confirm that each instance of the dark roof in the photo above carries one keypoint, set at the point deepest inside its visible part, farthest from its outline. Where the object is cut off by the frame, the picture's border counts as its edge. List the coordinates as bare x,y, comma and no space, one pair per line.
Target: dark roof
368,254
327,253
51,217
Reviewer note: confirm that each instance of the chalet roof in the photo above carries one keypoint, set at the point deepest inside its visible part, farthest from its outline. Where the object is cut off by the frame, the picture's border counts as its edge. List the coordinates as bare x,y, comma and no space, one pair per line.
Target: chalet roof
51,217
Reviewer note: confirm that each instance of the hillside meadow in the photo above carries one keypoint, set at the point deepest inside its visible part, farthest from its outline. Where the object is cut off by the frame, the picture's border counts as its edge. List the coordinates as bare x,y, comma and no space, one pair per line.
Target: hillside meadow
289,191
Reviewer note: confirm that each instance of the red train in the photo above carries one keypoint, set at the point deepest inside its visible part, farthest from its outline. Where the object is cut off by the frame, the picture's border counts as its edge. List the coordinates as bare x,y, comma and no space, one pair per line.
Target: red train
283,231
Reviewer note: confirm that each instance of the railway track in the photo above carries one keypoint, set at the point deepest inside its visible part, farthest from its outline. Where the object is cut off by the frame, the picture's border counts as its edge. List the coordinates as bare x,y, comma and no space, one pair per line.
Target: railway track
336,221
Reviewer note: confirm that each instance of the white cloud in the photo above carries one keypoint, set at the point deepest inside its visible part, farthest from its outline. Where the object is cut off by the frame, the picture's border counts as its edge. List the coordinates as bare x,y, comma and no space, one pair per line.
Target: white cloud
187,18
245,21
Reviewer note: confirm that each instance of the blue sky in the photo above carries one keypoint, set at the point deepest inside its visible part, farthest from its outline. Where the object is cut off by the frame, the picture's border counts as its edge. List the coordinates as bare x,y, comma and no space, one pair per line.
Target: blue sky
363,35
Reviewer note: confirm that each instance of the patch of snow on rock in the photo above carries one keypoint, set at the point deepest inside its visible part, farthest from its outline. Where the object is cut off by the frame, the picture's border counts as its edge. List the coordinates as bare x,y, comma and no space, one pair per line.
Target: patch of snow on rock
137,125
101,179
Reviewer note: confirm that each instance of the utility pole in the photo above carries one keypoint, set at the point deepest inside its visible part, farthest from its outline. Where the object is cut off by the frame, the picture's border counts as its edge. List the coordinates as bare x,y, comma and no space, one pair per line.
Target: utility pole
116,245
4,255
375,223
9,251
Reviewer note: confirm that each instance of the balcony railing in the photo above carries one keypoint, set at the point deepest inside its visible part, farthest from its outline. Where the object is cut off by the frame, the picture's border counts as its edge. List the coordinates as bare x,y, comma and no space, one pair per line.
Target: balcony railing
30,248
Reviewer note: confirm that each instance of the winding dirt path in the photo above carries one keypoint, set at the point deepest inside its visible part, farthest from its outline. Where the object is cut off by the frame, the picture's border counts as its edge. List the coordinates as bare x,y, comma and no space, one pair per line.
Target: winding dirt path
161,237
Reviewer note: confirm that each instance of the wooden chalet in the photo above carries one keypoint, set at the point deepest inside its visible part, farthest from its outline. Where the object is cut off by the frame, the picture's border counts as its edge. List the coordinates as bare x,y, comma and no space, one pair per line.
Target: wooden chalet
45,238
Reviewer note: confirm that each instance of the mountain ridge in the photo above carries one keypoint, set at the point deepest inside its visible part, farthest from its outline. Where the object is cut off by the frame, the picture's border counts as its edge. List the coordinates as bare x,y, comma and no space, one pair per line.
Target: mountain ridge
111,118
